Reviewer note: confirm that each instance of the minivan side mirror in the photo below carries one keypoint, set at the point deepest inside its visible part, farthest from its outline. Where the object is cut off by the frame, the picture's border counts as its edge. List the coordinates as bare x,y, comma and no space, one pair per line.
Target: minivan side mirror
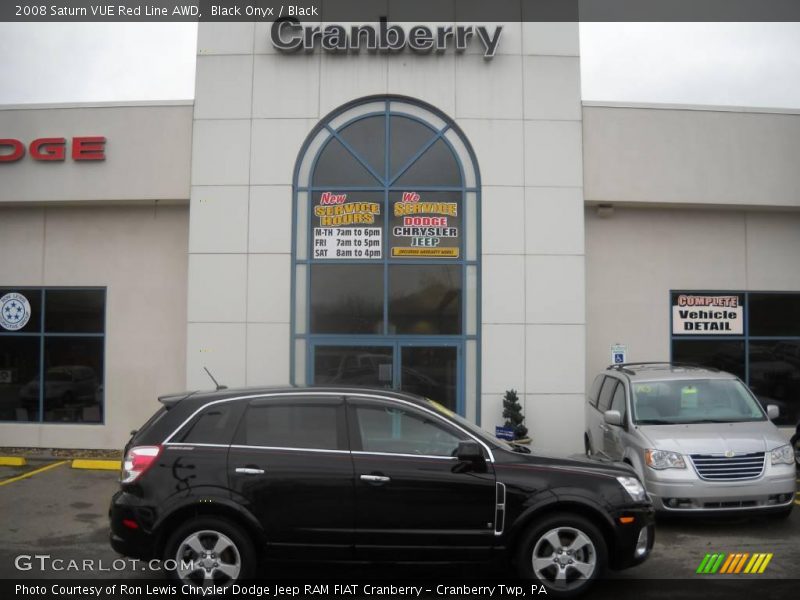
612,417
773,411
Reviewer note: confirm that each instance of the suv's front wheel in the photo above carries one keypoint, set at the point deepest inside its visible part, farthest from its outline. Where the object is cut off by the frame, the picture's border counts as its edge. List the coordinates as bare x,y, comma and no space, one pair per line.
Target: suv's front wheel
565,552
210,551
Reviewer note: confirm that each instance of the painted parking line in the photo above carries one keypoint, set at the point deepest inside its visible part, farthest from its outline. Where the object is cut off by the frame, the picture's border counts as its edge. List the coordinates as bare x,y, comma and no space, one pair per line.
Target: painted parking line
34,472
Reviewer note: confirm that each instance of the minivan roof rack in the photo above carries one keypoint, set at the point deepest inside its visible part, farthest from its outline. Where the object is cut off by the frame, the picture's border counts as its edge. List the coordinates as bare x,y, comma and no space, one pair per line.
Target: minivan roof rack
625,367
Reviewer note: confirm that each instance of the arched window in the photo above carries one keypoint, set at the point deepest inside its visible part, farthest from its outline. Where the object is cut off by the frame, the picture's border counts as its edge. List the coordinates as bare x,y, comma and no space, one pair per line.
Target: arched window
386,253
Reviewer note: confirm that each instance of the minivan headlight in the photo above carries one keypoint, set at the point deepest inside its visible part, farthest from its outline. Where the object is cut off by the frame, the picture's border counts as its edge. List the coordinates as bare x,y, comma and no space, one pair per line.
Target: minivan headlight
663,459
783,455
634,488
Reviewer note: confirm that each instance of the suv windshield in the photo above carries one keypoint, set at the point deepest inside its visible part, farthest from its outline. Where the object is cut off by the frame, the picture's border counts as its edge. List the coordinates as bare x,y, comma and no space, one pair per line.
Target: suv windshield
471,427
693,401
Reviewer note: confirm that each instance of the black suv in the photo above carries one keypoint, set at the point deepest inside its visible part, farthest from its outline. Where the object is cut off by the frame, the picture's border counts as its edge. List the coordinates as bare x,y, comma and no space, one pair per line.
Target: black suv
215,481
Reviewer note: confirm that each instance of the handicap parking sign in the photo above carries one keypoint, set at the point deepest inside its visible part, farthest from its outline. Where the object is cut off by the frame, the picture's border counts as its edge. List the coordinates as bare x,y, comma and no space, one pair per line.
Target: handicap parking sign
619,354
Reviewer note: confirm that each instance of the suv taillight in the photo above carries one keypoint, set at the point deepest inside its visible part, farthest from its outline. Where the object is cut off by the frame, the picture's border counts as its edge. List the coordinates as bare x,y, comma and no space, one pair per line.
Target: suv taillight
137,461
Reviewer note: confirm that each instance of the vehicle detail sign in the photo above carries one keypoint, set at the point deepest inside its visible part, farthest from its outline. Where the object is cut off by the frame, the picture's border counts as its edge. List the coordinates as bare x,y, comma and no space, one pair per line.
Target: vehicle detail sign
707,314
347,227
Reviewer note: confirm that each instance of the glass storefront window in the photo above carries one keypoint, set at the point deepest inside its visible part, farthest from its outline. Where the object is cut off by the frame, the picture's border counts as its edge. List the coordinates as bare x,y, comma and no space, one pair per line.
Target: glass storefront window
425,300
53,375
775,376
367,137
431,371
75,311
346,299
725,355
757,338
19,378
436,166
387,200
353,365
408,137
338,167
73,379
774,314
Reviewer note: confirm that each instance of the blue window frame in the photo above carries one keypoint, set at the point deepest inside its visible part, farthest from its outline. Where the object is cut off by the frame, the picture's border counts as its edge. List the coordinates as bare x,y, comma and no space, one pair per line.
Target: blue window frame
764,352
386,250
52,354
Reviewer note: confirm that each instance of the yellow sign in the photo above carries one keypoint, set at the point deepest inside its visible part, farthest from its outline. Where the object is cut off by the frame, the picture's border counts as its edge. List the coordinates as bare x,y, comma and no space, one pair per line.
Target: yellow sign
351,213
437,252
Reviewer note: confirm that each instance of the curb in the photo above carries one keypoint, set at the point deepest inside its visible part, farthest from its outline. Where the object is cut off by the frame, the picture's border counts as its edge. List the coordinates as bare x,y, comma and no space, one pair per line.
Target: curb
96,464
13,461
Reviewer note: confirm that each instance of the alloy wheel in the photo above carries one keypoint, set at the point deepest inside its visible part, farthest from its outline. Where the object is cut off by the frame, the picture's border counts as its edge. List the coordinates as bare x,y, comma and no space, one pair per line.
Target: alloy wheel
208,557
564,558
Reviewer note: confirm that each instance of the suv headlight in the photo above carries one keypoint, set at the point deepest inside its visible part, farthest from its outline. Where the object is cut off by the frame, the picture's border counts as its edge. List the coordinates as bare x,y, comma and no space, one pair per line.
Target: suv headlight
663,459
782,455
634,488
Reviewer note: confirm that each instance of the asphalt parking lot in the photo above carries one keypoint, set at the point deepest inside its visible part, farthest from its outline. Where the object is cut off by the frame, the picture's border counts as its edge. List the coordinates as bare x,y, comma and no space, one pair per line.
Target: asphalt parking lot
62,512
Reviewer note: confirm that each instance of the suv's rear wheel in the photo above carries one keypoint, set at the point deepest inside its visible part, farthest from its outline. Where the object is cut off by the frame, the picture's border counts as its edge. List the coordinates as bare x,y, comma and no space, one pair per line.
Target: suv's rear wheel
565,552
210,551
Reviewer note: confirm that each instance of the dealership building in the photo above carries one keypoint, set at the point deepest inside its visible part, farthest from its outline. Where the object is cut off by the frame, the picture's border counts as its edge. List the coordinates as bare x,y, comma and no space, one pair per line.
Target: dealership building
442,215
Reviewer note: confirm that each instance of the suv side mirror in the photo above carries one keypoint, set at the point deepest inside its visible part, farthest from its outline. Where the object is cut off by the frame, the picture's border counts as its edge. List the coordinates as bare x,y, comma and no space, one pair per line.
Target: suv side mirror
612,417
470,451
773,411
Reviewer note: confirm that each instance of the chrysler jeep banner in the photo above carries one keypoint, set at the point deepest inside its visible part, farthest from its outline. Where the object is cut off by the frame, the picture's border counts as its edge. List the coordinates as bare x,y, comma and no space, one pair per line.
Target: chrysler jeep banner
347,226
707,314
425,224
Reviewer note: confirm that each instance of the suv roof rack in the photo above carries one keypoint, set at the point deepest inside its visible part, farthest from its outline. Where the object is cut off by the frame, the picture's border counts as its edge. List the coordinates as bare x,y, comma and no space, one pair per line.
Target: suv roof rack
624,367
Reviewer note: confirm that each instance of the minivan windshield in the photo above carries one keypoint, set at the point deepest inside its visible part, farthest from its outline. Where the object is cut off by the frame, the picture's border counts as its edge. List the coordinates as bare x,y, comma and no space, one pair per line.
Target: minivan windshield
685,401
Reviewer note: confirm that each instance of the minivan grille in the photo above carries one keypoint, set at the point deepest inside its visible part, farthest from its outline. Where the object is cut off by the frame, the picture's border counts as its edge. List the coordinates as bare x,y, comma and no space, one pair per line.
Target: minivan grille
717,467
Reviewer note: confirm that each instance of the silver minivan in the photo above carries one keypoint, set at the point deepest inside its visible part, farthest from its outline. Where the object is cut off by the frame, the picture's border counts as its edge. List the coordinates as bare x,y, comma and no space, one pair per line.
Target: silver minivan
697,437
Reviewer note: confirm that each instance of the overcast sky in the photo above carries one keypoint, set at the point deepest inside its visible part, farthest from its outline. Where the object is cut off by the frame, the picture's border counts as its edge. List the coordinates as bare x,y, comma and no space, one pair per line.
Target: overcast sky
742,64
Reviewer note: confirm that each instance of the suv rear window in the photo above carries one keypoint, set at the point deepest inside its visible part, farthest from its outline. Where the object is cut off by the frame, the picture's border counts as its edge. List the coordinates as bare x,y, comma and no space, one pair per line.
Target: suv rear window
290,426
215,425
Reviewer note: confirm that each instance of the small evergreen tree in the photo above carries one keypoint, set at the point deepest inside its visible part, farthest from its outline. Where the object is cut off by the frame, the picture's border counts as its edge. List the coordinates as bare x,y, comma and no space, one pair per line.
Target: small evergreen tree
512,413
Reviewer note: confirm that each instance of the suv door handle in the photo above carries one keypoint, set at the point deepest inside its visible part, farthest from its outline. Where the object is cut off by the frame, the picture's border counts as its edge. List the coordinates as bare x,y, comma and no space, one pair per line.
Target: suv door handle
249,471
375,479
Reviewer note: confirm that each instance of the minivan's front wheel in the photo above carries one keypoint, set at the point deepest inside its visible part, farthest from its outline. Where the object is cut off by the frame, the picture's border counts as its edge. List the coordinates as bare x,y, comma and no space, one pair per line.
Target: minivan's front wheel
210,551
564,552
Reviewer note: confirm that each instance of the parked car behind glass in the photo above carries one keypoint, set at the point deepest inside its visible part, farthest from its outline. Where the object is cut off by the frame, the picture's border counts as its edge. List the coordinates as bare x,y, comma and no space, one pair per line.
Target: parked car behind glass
65,385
